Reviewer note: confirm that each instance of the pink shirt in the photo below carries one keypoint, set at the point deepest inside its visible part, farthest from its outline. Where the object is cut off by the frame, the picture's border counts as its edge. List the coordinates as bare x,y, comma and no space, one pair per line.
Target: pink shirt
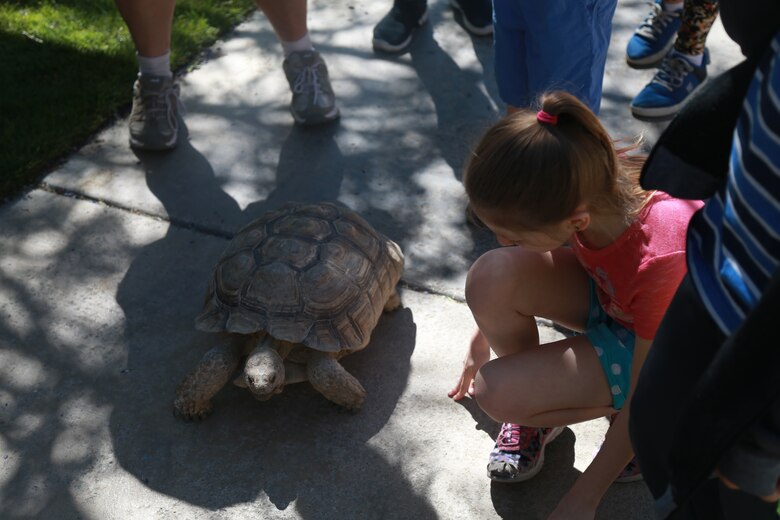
637,274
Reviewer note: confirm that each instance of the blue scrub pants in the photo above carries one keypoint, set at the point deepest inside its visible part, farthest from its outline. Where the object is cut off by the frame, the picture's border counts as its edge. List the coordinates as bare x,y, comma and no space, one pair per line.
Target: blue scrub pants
551,45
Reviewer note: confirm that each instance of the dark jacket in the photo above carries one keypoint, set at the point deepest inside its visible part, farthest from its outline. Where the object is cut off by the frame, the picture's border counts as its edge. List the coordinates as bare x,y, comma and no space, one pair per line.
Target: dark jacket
738,397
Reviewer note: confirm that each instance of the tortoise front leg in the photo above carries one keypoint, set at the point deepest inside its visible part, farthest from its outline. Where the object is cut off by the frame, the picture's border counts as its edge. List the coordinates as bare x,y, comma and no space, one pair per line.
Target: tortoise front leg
194,393
332,380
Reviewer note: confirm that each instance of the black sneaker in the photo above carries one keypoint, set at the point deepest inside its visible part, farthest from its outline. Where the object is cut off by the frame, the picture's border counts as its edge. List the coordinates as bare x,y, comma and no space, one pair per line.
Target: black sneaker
393,33
477,15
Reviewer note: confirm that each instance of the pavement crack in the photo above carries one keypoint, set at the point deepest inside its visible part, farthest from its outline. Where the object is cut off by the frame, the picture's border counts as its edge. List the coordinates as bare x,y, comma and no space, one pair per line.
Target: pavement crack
207,230
179,223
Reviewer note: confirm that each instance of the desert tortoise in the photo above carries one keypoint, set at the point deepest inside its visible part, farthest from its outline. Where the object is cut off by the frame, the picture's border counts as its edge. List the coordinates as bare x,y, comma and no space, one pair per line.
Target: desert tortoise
297,289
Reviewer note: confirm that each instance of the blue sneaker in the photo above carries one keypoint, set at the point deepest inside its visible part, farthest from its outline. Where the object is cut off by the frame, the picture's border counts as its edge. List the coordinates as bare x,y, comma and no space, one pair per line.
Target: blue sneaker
653,39
676,79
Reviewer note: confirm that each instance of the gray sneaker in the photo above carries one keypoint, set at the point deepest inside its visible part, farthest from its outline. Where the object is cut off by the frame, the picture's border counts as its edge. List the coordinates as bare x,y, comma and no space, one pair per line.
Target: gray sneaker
153,120
313,101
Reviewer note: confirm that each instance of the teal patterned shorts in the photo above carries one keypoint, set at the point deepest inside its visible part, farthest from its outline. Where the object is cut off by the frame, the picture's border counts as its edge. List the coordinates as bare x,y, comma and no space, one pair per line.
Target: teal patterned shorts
614,345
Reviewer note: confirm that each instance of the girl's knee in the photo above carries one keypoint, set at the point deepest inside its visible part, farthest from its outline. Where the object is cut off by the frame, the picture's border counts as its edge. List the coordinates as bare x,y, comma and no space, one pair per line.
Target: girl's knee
495,401
485,398
489,279
496,285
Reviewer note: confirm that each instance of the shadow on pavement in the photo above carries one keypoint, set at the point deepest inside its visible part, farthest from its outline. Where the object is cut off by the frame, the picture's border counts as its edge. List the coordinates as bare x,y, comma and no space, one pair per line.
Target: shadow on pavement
53,364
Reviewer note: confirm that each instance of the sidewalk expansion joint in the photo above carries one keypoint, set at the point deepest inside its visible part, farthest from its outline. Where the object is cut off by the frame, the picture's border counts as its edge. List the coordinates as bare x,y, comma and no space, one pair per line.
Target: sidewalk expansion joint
207,230
179,223
421,288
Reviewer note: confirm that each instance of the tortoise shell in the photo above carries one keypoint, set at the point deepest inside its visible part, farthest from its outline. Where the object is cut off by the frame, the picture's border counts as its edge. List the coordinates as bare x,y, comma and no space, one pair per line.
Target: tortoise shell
315,274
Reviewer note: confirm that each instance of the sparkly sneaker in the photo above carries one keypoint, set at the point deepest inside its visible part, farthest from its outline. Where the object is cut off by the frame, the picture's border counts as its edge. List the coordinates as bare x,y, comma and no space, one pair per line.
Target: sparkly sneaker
519,452
313,101
676,79
153,119
631,473
477,15
394,31
653,39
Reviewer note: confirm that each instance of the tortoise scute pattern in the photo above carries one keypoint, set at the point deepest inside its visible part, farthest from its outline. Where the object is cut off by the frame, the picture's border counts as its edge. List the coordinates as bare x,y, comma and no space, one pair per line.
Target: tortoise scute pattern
319,275
309,226
327,292
273,287
297,253
232,273
358,236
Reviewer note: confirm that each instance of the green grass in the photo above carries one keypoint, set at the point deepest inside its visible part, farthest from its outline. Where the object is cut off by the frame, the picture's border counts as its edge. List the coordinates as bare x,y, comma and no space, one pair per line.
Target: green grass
67,66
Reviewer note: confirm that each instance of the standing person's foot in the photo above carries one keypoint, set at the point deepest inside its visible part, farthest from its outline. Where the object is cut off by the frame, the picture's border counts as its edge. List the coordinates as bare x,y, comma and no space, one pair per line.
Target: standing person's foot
675,81
313,101
653,38
154,121
477,15
394,31
519,452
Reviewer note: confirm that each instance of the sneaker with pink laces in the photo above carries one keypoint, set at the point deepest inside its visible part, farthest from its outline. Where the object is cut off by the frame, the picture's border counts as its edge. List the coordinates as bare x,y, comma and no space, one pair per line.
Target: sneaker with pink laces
519,452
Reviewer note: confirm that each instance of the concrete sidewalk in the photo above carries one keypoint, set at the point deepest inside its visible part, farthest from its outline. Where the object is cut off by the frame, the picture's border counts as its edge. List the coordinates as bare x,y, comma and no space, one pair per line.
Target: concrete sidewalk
104,266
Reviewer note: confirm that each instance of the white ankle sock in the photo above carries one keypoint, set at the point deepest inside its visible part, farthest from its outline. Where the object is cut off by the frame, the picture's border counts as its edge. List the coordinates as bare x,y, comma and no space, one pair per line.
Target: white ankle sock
156,65
673,6
303,44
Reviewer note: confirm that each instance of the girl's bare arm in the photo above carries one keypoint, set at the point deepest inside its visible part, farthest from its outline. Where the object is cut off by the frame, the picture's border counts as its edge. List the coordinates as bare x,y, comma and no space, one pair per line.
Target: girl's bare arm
583,498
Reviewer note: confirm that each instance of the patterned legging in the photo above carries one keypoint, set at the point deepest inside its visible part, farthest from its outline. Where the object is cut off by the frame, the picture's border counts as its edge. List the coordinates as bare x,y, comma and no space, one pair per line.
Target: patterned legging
697,19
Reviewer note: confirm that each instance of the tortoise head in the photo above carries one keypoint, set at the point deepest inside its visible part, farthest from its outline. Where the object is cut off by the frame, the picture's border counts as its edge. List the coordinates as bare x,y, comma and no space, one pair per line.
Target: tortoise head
263,373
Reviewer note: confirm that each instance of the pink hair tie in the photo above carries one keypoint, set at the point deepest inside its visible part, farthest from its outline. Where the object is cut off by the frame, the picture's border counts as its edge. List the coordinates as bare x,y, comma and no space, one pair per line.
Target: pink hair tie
544,117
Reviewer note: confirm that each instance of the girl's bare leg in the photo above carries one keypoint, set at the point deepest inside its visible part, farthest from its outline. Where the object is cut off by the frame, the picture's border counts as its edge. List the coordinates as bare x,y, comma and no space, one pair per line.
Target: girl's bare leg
559,383
507,288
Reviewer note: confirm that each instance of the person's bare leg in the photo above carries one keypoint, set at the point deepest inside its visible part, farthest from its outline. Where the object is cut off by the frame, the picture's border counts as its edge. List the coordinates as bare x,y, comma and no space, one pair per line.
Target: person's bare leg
530,387
288,17
560,384
313,100
507,288
553,385
149,23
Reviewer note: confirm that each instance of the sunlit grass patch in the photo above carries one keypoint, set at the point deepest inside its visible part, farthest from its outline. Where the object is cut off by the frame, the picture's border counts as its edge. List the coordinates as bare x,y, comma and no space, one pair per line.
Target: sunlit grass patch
68,66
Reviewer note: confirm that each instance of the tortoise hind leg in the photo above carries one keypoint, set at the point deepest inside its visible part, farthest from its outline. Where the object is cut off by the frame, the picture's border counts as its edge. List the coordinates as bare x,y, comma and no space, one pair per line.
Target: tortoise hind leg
332,380
194,393
393,302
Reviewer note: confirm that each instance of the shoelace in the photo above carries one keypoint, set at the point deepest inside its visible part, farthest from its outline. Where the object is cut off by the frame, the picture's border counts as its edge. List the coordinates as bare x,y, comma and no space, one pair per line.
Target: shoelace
515,436
672,72
160,102
309,75
656,22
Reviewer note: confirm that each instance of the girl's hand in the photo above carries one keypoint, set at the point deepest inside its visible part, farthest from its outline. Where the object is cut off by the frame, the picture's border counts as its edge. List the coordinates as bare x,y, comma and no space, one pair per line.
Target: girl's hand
477,355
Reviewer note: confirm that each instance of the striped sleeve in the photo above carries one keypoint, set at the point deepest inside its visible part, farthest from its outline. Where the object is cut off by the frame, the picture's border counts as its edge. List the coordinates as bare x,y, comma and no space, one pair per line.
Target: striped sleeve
734,243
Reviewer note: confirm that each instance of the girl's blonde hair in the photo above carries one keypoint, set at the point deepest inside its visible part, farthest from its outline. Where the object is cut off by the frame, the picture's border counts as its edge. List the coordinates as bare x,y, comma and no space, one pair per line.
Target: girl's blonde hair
541,172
